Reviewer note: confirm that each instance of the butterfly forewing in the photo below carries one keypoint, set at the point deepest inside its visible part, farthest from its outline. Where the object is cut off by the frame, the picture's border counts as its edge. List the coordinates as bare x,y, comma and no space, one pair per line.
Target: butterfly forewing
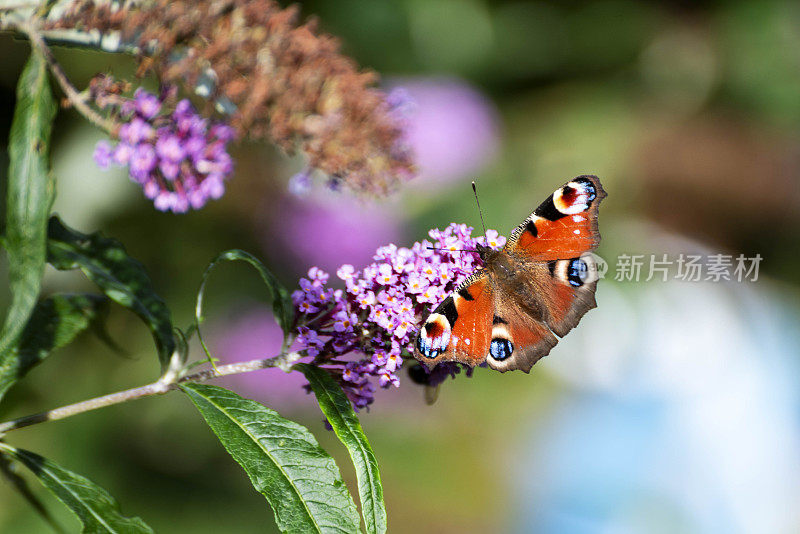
456,330
564,225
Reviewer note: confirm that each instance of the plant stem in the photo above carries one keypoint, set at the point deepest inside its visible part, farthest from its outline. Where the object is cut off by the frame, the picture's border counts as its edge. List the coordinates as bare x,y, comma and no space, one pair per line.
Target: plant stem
72,94
156,388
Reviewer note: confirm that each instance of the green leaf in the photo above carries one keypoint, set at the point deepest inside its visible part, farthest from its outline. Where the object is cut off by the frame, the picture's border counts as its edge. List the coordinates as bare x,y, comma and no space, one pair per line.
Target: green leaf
29,197
122,278
283,460
97,510
54,323
282,307
341,416
8,468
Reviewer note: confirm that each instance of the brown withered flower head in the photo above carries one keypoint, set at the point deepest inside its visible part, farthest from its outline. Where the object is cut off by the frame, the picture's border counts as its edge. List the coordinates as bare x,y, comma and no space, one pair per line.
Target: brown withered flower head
276,79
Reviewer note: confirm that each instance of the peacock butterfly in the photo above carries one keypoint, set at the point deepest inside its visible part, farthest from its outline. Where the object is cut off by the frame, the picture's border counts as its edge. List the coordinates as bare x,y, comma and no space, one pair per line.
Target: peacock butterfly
537,287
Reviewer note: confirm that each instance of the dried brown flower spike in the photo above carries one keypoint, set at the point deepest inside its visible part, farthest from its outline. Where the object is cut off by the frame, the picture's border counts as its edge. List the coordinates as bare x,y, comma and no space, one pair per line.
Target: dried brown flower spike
279,79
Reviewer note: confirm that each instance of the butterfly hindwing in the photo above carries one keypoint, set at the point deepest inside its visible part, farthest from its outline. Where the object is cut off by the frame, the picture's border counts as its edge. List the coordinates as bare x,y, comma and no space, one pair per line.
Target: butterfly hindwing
569,292
458,329
518,338
564,225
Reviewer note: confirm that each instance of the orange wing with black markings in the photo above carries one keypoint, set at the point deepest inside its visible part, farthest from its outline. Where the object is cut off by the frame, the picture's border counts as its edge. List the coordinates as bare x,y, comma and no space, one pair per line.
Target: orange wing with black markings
569,293
563,231
457,330
564,225
518,339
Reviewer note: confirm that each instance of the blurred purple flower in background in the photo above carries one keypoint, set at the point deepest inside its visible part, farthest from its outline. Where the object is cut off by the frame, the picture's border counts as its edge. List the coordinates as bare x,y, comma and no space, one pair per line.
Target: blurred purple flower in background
327,229
452,128
179,158
255,334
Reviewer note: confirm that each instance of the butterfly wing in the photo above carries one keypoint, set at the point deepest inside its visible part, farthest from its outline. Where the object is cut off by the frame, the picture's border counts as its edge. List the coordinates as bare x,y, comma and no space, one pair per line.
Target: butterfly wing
478,323
562,231
569,292
564,225
459,328
555,275
519,335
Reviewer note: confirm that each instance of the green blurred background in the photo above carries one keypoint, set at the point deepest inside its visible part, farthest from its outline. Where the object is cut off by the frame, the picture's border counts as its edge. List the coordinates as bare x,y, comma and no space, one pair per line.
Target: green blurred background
672,408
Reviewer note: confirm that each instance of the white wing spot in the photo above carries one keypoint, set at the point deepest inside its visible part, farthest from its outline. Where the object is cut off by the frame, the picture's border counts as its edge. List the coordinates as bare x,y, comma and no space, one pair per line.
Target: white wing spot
577,232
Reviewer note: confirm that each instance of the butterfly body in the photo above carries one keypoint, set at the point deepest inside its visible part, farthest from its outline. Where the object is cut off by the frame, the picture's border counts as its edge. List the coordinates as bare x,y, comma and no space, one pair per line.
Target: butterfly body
537,287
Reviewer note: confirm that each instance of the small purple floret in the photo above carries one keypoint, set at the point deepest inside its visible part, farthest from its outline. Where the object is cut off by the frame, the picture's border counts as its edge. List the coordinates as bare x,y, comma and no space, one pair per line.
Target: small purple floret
169,147
146,105
142,162
103,153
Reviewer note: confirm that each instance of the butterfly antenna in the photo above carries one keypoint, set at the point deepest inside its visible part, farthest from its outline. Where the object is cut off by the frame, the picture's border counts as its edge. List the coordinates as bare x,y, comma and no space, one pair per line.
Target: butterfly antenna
478,202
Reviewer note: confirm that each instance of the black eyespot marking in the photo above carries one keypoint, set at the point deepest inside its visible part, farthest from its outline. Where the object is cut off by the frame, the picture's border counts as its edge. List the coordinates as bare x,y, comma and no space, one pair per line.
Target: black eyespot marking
500,349
548,210
591,191
498,320
577,272
531,229
552,266
448,309
465,294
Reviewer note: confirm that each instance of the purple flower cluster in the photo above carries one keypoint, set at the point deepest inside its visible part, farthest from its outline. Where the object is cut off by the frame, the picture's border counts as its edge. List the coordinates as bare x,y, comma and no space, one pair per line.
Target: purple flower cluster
375,317
180,159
